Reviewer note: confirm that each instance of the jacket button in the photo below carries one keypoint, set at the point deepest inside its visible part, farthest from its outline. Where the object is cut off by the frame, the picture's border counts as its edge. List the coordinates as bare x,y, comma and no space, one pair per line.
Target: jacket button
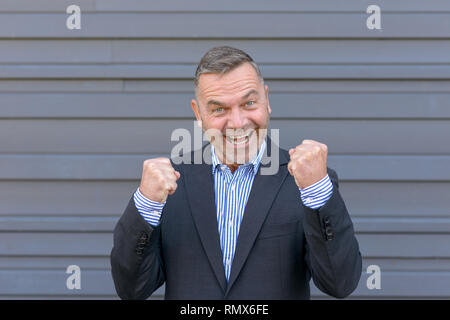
326,220
144,236
329,233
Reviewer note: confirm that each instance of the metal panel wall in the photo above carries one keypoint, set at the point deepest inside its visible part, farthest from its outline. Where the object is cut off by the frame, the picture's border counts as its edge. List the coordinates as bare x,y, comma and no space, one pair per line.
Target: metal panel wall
81,109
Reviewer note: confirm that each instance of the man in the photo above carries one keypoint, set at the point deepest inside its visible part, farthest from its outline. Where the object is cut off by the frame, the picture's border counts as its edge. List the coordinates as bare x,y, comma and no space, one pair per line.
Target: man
226,231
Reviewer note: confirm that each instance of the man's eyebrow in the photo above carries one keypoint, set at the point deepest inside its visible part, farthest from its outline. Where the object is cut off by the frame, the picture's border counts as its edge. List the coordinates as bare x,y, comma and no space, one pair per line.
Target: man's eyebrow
213,102
248,94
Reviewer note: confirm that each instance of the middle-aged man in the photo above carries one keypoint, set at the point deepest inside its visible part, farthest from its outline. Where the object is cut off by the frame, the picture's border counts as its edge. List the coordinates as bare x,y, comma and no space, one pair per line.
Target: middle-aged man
226,231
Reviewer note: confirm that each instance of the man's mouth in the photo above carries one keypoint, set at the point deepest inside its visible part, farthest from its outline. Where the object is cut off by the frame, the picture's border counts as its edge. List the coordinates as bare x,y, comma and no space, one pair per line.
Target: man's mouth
239,140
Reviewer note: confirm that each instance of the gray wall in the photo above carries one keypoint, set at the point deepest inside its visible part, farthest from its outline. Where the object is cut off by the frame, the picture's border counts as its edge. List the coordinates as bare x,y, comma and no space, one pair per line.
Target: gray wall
81,109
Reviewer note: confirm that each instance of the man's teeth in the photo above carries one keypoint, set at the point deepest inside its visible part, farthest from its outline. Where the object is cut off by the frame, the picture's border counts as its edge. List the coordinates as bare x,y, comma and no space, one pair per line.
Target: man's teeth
238,140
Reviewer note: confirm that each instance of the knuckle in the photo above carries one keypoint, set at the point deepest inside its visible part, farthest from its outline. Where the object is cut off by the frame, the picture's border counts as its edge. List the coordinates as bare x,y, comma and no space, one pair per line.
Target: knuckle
165,160
160,179
148,163
291,166
173,187
159,160
170,178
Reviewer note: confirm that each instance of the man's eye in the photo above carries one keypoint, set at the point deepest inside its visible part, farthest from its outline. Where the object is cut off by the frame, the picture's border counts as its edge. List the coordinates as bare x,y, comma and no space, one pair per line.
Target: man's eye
218,110
250,103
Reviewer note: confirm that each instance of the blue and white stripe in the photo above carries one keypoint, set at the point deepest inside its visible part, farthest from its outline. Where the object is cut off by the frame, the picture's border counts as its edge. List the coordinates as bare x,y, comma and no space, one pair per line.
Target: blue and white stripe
317,194
150,210
232,191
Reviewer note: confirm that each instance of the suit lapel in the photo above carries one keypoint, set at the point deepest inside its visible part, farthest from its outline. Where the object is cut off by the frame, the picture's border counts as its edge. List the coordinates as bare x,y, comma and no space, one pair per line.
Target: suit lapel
262,195
200,191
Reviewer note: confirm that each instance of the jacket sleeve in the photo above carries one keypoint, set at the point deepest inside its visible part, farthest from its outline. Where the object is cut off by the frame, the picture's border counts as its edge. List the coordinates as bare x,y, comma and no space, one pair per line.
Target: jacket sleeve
136,262
332,251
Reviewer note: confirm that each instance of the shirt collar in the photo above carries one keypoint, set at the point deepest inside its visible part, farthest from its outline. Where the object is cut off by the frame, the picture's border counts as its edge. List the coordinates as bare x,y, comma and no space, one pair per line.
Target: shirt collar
255,162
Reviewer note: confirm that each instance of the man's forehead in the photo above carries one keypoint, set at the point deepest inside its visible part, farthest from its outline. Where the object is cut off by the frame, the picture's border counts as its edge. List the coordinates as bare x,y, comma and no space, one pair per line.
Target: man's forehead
228,84
236,88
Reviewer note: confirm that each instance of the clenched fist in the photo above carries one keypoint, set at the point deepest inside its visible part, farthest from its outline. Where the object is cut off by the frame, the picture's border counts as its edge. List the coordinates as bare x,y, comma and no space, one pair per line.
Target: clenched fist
159,179
308,163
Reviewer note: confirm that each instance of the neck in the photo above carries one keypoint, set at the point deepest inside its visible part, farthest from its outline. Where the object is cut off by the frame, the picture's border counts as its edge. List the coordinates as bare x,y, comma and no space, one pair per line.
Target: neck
233,166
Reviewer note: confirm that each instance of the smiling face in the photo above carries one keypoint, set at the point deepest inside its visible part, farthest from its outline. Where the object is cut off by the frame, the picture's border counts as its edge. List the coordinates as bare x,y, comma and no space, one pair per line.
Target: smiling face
233,109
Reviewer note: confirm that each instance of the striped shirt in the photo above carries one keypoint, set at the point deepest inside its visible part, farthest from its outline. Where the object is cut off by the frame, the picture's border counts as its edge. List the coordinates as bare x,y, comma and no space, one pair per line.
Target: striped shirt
231,194
232,191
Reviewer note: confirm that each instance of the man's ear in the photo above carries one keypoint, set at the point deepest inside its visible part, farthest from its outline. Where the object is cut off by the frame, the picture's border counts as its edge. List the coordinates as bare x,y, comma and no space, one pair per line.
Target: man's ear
267,98
196,109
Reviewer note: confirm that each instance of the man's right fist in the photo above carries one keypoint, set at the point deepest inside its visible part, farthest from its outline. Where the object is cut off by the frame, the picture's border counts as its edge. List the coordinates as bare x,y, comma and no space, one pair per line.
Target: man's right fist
159,179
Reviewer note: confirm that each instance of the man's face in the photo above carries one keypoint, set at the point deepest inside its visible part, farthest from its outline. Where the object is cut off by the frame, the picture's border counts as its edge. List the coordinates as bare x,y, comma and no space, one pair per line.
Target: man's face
236,106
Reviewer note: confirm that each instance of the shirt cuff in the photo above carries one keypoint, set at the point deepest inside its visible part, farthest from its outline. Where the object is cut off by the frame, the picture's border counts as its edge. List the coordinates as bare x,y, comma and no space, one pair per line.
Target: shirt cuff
316,195
149,210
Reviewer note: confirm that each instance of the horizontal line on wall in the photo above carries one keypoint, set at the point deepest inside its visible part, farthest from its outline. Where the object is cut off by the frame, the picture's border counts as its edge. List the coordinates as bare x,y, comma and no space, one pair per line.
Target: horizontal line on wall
166,118
192,25
126,167
186,72
254,10
231,5
90,224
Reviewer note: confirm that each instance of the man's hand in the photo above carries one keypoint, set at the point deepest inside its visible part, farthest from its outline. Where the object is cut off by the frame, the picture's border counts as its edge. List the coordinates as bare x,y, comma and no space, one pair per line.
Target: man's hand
159,179
308,163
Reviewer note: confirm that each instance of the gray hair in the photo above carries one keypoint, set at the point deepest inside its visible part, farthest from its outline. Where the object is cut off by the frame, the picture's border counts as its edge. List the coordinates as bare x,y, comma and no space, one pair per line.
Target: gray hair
221,60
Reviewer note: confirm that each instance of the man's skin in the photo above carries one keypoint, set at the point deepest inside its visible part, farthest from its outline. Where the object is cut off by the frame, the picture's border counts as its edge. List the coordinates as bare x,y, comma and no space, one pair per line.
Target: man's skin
234,104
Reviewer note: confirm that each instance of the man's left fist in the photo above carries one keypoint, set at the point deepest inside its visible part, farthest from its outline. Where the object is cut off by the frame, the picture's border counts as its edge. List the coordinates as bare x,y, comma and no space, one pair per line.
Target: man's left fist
308,163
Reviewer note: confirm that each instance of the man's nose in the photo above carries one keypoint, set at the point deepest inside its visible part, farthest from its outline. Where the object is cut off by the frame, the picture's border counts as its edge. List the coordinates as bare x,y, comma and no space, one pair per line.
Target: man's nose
237,119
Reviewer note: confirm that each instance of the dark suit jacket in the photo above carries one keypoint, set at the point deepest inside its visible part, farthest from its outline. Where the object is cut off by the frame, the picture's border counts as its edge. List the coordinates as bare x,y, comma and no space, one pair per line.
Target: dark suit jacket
281,243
